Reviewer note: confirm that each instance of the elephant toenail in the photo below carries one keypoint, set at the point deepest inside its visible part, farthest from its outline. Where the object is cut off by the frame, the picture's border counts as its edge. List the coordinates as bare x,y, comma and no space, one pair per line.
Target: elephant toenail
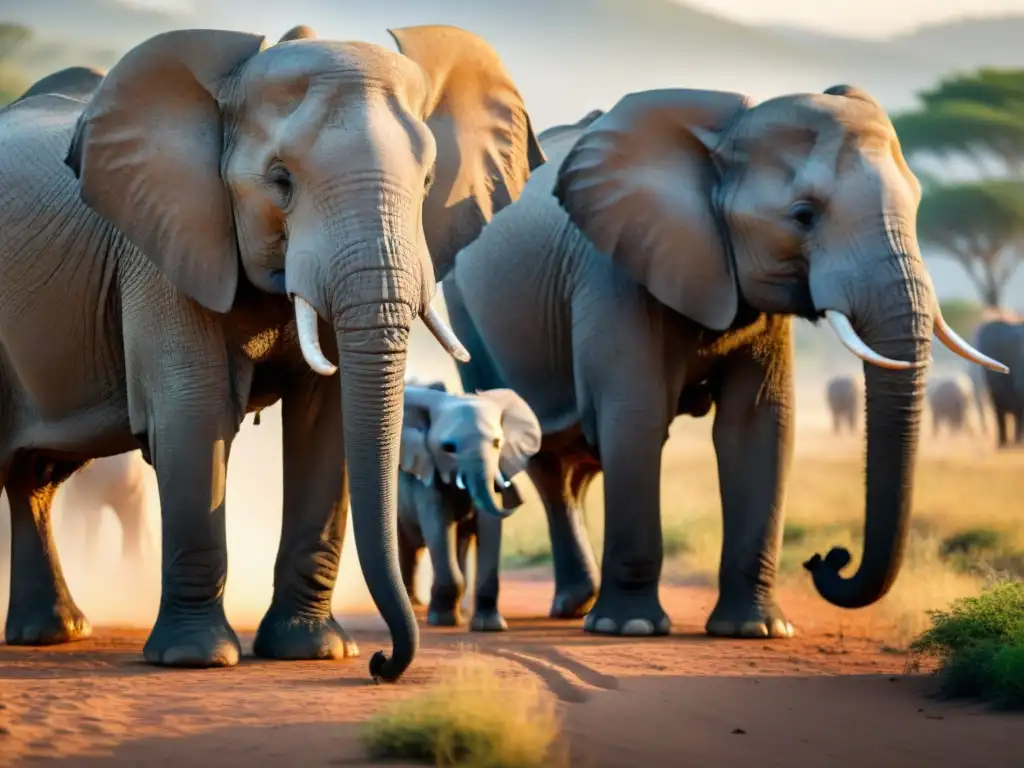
605,625
638,627
753,629
665,625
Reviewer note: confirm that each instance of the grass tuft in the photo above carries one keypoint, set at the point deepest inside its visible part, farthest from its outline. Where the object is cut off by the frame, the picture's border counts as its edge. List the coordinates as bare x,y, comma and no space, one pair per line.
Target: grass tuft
472,717
979,642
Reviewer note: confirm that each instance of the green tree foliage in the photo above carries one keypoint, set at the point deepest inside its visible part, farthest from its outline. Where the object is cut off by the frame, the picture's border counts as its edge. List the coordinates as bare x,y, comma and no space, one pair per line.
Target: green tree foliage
978,223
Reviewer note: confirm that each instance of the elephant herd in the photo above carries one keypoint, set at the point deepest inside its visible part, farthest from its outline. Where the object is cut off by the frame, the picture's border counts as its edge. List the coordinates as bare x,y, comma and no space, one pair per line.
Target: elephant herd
958,403
219,223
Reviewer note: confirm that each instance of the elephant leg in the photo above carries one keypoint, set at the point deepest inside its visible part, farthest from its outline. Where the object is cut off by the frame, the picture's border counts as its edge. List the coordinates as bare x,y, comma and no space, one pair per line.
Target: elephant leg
190,456
486,617
446,591
576,572
465,531
299,623
131,513
630,444
753,438
836,418
41,609
410,549
1018,422
1001,426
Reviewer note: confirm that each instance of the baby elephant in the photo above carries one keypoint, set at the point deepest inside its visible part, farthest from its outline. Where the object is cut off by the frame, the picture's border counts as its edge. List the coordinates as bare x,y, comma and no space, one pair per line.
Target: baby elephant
459,455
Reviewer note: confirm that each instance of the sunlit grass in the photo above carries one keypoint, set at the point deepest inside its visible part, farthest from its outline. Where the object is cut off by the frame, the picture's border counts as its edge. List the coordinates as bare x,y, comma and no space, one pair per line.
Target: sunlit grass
472,717
966,529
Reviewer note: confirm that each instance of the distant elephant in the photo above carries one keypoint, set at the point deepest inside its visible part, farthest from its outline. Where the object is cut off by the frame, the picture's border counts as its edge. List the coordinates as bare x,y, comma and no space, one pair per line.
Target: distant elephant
952,402
118,482
1006,393
173,253
652,267
460,454
845,396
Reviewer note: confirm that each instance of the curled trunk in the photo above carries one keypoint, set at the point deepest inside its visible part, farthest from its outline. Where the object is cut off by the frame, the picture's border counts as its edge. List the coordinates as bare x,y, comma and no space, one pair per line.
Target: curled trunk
483,483
895,319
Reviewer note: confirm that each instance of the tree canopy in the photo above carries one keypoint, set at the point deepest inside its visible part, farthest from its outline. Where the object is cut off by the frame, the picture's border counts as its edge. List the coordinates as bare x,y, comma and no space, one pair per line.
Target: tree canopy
979,223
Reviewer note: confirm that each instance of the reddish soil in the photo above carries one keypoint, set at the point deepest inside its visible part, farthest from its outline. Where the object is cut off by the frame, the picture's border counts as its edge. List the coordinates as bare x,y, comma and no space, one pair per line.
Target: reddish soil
832,696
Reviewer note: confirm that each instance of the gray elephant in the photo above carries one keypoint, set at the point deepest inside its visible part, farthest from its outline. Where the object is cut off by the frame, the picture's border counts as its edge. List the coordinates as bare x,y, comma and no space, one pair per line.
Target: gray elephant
845,395
952,402
179,246
460,455
118,482
653,266
1005,337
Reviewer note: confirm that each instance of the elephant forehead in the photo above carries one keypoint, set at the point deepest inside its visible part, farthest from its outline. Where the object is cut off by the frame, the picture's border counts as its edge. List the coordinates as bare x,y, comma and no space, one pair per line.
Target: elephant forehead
284,74
472,416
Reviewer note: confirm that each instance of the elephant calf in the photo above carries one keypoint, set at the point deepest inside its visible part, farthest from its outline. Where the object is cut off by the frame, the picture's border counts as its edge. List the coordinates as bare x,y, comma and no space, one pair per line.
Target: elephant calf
459,455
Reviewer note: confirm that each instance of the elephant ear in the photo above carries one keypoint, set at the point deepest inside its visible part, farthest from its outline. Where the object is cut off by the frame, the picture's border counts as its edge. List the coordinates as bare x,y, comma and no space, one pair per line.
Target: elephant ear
73,82
486,146
147,153
300,32
415,456
640,182
520,427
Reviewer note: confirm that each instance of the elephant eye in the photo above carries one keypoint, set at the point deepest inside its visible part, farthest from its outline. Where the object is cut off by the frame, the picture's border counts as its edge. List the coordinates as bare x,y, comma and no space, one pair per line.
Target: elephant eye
281,179
804,214
449,447
428,182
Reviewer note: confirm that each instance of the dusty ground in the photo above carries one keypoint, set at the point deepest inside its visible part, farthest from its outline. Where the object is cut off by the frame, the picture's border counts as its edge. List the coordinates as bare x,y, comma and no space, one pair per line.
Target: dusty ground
832,696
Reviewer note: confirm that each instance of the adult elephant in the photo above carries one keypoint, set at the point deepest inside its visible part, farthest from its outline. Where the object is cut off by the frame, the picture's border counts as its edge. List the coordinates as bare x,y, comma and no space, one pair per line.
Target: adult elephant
1005,338
74,82
173,254
845,396
684,230
117,482
952,402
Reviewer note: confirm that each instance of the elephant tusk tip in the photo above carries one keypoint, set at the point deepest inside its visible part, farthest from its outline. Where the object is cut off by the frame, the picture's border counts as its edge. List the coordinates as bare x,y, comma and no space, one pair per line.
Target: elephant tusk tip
461,355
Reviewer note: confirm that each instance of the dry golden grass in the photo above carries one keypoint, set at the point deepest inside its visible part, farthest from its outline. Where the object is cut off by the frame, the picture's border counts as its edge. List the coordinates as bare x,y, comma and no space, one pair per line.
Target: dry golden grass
962,484
472,717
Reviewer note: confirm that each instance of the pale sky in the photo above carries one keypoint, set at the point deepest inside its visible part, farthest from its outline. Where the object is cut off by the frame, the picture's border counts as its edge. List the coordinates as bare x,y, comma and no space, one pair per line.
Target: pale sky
860,18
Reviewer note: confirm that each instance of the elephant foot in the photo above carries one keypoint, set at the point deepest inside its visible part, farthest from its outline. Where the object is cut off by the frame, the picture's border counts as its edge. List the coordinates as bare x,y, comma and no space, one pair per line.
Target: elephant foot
631,612
192,639
297,638
573,601
444,617
748,617
39,624
488,621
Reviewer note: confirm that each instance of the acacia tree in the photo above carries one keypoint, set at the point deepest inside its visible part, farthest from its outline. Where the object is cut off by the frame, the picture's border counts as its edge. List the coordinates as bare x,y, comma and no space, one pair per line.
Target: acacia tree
980,224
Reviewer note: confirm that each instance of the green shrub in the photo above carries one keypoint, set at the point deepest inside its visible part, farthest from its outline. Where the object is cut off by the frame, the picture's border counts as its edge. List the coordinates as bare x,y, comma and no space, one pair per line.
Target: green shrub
979,642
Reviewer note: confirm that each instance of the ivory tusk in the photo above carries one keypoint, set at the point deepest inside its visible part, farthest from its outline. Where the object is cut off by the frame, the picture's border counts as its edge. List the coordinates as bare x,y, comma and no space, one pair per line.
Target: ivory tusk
445,336
459,482
503,481
956,343
309,338
844,330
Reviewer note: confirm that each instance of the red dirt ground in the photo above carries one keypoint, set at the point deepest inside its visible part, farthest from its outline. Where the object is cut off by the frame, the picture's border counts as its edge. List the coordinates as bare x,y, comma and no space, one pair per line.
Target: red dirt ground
830,697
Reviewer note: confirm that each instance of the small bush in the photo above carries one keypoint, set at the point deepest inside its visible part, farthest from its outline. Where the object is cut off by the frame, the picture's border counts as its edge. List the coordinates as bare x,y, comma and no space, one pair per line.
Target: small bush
980,644
675,542
471,718
971,542
793,533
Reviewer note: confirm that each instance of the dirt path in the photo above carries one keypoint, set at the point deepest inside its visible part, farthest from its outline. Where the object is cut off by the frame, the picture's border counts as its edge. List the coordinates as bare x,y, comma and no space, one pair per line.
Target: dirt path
832,696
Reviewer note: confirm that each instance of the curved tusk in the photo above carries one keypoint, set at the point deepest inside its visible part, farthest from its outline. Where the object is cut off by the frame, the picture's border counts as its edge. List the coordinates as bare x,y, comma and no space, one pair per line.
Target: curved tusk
459,482
956,343
309,338
445,336
503,481
844,330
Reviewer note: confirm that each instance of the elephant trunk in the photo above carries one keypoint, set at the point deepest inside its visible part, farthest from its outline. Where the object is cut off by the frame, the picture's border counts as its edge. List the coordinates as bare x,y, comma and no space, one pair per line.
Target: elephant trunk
372,380
482,479
894,319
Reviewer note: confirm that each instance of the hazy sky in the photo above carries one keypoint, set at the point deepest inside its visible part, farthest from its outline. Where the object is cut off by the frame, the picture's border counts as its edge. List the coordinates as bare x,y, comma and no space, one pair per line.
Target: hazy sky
864,18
